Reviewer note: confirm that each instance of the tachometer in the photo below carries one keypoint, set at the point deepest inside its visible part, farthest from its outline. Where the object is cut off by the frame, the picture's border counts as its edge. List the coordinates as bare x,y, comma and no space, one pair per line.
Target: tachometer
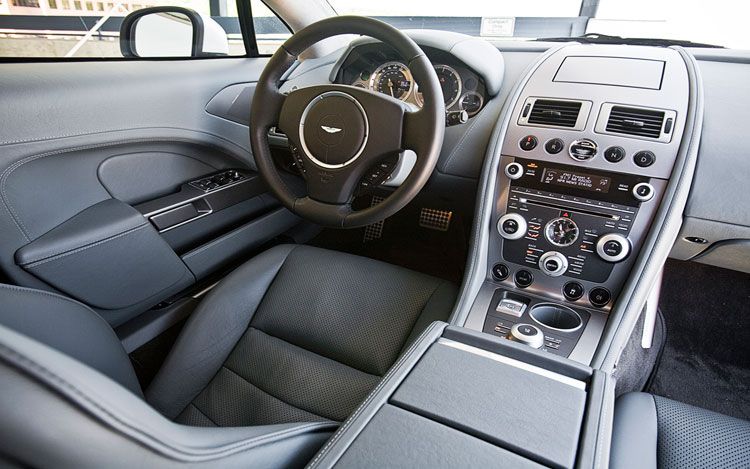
450,83
393,79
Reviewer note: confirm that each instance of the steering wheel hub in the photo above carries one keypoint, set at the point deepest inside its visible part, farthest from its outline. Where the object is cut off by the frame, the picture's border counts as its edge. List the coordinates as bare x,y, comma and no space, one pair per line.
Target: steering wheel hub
333,130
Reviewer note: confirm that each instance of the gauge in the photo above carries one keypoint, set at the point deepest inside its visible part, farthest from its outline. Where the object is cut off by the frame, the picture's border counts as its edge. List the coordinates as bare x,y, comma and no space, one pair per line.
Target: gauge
450,84
393,79
561,232
471,102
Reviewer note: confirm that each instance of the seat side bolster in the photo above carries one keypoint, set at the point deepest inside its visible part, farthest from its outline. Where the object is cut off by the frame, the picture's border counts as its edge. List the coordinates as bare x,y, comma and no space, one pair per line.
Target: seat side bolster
213,331
635,432
65,414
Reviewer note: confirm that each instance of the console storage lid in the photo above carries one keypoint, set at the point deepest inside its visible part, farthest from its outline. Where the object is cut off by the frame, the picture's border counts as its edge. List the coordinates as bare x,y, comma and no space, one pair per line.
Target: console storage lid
460,398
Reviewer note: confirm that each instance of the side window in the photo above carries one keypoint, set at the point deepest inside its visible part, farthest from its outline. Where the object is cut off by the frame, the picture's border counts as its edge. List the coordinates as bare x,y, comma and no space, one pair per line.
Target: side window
91,28
270,31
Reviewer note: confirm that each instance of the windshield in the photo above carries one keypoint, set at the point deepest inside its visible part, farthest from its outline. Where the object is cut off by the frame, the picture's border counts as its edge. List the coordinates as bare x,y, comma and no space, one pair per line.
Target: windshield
719,22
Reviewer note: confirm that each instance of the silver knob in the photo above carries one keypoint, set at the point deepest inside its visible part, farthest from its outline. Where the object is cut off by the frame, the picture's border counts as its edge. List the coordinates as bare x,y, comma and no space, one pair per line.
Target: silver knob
512,226
527,335
553,263
583,149
514,171
643,191
613,247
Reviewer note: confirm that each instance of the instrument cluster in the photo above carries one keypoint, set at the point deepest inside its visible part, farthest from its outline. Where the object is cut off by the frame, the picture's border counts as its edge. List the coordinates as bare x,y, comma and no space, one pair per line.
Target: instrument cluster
375,70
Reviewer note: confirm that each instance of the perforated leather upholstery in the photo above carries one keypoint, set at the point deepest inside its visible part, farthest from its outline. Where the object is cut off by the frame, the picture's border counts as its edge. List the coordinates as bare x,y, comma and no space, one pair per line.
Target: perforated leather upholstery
653,431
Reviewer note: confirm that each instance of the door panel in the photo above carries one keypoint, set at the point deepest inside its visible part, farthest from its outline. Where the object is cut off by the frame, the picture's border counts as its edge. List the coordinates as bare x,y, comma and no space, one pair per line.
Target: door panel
88,149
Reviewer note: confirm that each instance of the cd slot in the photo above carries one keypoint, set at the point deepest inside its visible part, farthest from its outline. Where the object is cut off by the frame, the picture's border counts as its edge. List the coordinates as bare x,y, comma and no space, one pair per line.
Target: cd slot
575,210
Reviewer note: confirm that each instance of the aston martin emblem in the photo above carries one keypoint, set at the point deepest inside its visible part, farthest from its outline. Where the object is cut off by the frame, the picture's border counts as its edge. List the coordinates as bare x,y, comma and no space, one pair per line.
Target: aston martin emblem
330,130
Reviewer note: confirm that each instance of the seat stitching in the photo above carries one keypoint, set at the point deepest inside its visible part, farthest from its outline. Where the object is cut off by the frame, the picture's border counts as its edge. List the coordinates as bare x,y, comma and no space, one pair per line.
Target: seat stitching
15,358
202,413
310,351
272,395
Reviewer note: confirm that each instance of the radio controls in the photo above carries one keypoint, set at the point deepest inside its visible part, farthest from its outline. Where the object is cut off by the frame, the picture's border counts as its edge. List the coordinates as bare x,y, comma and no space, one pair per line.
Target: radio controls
528,143
644,159
554,146
523,278
514,171
614,154
583,149
573,291
613,247
599,297
643,191
553,263
561,232
527,334
512,226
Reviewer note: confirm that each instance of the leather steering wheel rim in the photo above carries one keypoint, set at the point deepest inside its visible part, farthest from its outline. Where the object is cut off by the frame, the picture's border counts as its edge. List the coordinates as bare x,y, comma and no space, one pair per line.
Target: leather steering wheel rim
364,115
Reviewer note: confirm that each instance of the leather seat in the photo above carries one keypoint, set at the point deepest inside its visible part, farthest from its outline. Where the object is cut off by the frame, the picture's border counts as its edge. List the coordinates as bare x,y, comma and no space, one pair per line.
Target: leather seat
652,431
281,350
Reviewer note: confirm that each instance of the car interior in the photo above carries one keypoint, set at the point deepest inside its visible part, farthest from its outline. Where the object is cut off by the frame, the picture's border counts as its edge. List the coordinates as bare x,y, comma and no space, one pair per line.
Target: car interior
310,233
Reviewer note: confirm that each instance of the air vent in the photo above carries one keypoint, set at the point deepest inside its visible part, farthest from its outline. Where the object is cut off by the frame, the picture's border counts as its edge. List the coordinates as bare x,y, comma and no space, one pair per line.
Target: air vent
555,113
634,121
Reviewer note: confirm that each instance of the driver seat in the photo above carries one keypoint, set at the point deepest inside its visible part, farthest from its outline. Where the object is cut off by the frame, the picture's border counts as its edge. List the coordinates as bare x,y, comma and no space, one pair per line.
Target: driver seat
283,349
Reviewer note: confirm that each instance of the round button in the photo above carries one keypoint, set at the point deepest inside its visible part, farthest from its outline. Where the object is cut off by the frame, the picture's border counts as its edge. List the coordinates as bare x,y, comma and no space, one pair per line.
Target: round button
599,297
523,278
528,143
553,263
514,171
614,154
573,291
554,146
512,226
644,159
643,191
500,271
613,247
583,149
526,334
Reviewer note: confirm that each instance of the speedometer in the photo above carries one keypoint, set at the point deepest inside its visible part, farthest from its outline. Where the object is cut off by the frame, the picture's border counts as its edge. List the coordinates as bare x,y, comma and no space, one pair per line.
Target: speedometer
450,83
393,79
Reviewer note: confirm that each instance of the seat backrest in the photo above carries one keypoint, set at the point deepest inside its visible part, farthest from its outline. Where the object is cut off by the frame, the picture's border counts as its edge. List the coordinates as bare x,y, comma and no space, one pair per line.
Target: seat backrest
70,327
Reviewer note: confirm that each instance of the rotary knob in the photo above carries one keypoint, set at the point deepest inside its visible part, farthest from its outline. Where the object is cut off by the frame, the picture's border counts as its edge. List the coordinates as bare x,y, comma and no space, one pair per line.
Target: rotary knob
527,334
512,226
613,247
553,263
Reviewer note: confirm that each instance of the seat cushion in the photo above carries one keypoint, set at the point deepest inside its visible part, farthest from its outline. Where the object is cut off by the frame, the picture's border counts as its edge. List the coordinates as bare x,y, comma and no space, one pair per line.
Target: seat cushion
653,431
297,334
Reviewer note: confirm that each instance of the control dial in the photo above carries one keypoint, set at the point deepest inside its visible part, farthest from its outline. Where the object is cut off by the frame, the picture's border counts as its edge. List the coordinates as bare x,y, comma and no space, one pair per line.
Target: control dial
613,247
561,232
512,226
527,334
514,171
583,149
553,263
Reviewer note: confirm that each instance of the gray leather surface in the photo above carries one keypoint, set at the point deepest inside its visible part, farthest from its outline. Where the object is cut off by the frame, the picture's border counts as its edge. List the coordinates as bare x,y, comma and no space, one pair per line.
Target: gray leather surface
634,432
56,397
523,412
653,431
397,438
212,332
324,331
137,177
108,256
67,326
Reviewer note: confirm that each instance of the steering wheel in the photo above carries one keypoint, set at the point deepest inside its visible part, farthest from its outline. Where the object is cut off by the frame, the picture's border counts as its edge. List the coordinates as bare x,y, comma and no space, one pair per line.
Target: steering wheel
342,131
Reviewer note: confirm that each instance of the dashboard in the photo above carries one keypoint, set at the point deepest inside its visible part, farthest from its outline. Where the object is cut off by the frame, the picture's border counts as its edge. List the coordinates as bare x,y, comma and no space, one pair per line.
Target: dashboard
377,67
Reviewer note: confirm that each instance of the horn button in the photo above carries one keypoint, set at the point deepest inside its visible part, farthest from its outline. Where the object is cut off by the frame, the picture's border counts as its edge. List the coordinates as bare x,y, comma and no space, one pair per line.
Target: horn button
333,129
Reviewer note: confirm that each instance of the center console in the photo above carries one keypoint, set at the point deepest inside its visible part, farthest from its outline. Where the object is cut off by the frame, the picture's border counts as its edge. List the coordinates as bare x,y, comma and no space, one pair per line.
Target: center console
585,158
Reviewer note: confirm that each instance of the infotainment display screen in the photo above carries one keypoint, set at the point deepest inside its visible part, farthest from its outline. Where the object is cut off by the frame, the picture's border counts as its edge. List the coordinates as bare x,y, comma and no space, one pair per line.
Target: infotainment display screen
564,178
